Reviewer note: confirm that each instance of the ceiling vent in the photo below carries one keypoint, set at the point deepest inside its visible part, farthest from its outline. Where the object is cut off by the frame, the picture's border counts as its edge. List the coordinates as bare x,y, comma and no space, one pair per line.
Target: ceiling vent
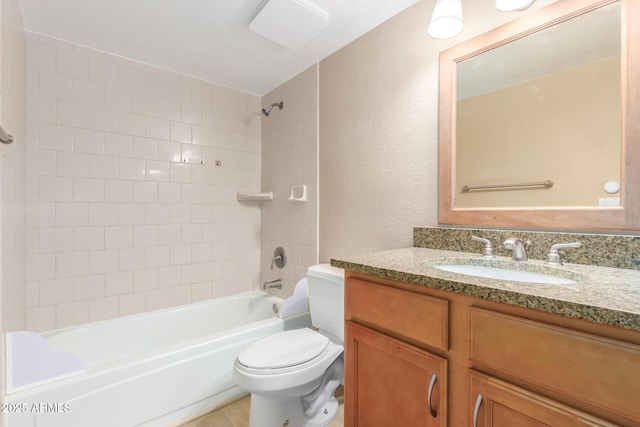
290,23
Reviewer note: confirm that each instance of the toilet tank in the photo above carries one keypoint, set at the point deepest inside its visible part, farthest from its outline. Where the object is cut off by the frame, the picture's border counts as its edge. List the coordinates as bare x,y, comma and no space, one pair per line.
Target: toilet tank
326,299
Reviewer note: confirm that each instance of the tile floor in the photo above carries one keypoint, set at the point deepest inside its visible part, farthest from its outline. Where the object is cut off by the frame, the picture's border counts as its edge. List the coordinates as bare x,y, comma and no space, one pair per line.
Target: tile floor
237,415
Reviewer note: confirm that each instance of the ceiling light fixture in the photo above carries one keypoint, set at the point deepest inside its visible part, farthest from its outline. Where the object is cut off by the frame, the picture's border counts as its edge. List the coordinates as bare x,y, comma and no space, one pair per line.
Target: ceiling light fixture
509,5
446,21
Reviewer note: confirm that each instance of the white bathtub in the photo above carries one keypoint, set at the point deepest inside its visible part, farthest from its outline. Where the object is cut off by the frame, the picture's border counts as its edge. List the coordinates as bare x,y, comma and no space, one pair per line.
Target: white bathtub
152,369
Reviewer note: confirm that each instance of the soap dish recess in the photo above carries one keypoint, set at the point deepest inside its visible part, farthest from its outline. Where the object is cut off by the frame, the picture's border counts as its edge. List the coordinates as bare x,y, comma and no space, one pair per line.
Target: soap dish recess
261,196
298,193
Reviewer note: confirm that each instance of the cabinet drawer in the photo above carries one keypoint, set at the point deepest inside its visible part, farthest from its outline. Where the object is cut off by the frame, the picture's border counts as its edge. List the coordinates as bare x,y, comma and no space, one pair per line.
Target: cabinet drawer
599,372
411,315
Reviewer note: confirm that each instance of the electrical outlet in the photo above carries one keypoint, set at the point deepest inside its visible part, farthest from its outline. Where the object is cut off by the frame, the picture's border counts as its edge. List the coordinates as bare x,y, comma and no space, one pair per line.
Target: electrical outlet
610,202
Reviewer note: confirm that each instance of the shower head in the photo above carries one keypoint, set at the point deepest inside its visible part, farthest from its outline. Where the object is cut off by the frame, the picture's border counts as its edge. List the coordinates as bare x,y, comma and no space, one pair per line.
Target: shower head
267,110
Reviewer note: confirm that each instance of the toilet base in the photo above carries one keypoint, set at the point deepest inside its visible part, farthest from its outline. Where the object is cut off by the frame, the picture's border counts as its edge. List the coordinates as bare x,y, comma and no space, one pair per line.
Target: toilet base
279,412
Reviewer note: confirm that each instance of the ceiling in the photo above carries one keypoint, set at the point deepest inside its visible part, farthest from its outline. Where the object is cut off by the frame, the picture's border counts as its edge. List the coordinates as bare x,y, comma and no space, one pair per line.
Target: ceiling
206,39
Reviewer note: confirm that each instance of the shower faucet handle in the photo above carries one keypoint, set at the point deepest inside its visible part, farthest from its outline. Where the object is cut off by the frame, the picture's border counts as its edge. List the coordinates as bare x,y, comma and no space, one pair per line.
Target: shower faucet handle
279,258
487,251
274,259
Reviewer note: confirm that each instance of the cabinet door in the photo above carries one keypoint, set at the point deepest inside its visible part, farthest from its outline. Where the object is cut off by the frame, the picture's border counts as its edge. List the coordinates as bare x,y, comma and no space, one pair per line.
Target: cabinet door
391,383
495,403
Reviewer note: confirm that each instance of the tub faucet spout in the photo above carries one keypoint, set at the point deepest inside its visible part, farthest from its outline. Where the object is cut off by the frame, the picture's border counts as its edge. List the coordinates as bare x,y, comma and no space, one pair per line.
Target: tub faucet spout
273,284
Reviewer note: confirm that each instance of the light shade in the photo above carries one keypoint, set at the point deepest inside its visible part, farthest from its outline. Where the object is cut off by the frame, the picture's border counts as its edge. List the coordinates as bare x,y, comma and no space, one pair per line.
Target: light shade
509,5
446,20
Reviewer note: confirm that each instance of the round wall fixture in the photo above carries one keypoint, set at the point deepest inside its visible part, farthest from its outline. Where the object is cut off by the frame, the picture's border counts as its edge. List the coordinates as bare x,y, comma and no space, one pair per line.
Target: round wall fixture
612,187
279,258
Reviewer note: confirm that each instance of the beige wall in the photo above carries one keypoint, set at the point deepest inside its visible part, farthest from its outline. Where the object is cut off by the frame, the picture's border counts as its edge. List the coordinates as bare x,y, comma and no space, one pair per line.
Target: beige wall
289,157
378,130
531,142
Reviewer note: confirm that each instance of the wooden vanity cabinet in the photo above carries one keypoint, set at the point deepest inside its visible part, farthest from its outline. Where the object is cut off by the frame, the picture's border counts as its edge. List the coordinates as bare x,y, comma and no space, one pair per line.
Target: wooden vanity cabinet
388,381
531,368
498,403
590,370
392,383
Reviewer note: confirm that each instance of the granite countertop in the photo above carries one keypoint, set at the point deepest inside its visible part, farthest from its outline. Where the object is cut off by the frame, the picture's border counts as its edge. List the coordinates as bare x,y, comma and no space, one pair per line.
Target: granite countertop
600,294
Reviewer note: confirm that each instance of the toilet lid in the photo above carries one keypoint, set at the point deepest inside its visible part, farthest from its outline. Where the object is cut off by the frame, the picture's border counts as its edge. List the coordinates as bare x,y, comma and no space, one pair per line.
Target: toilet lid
288,348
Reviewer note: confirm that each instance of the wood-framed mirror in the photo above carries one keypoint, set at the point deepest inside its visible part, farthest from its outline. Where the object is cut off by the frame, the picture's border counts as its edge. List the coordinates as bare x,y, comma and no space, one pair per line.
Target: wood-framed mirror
499,162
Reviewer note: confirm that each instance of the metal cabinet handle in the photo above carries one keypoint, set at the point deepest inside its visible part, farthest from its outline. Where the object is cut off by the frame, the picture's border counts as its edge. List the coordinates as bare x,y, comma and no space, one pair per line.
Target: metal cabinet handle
432,411
476,410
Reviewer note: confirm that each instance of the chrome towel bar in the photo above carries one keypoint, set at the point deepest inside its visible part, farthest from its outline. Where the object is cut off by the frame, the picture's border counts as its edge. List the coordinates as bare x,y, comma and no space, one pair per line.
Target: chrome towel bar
545,184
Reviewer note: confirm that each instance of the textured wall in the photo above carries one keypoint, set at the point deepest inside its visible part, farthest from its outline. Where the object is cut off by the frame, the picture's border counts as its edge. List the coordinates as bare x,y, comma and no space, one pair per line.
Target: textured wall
379,130
126,209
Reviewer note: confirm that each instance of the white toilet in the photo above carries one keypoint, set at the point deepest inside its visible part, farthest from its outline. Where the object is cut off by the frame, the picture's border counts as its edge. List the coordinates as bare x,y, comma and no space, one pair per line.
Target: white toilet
292,375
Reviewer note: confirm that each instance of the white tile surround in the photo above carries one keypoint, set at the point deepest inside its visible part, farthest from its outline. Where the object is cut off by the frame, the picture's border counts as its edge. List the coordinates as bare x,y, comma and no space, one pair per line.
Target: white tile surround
12,169
289,158
126,210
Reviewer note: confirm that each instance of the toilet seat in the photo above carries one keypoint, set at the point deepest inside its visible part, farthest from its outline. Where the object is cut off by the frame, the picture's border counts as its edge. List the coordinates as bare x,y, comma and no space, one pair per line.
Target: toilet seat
303,366
284,350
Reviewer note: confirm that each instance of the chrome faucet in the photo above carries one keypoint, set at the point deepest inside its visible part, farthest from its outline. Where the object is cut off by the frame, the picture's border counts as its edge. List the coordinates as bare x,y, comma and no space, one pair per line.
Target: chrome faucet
515,244
273,284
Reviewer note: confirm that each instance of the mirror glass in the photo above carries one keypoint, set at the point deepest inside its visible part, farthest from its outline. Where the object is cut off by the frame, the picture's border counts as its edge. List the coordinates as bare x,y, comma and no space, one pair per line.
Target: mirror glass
538,119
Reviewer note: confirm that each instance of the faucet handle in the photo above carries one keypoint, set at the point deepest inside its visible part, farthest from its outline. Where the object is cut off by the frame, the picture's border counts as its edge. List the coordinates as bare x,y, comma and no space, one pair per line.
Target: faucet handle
487,251
279,258
553,257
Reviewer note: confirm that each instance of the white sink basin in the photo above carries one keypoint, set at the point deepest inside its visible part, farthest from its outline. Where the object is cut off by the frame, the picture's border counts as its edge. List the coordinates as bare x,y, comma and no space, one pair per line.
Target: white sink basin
504,274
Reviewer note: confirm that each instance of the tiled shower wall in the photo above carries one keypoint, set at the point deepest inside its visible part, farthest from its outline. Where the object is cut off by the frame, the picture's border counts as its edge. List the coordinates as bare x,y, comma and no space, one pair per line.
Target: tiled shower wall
12,168
127,210
290,158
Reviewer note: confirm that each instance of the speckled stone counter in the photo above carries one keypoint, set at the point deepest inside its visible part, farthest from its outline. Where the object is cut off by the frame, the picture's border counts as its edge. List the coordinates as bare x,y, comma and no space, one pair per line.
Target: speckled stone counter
604,250
600,294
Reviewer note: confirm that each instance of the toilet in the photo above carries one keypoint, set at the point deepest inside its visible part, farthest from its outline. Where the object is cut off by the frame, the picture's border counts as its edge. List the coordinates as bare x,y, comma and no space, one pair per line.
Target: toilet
292,375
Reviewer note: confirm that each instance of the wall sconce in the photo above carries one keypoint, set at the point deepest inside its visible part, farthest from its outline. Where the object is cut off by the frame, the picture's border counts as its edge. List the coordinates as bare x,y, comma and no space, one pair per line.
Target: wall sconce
446,21
509,5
